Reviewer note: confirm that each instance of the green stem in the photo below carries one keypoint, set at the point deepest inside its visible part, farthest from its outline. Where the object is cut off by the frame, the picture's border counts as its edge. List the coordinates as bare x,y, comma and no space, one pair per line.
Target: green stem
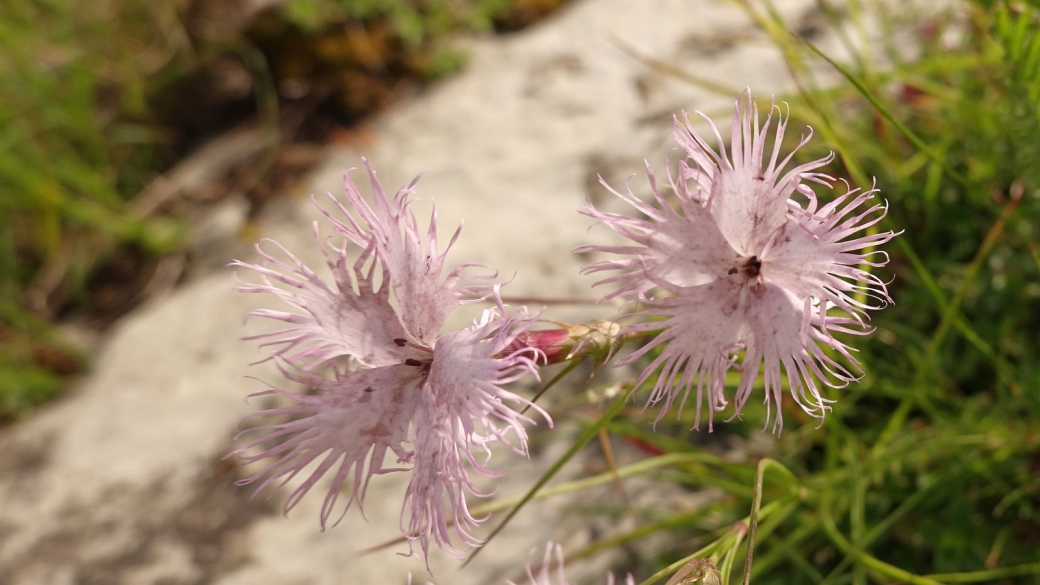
585,437
753,524
871,562
884,111
756,505
989,576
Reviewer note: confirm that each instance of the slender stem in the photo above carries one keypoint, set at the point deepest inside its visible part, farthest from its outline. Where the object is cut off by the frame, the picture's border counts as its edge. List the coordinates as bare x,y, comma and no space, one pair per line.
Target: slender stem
871,562
729,557
582,440
753,521
608,454
884,111
670,69
559,376
990,575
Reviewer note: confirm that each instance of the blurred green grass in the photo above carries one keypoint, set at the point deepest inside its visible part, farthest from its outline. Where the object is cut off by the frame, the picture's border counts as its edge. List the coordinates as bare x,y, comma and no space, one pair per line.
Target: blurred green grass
930,463
71,134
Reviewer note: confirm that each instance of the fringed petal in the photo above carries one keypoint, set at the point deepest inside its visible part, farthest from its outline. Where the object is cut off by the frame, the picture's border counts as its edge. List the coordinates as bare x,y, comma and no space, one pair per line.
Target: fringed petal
775,345
683,250
810,256
436,496
410,257
748,196
465,409
468,374
346,428
702,327
329,320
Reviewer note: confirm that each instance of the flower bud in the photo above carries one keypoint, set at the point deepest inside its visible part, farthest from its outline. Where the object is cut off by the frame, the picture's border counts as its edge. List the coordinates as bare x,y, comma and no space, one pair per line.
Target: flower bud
570,341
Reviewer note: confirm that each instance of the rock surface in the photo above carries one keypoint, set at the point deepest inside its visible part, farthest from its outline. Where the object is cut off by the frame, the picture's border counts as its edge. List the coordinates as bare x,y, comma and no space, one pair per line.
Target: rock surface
123,481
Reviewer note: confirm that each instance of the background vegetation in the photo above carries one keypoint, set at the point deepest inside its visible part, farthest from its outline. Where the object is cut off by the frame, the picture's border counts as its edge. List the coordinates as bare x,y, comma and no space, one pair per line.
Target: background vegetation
927,471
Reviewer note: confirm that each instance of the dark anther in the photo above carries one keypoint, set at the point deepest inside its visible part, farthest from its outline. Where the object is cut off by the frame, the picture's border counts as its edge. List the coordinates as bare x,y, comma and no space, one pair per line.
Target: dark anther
733,271
411,362
400,342
370,389
754,266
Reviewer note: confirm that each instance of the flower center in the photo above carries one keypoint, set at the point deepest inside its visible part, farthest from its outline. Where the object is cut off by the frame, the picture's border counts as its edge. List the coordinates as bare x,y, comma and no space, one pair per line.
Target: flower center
424,361
752,268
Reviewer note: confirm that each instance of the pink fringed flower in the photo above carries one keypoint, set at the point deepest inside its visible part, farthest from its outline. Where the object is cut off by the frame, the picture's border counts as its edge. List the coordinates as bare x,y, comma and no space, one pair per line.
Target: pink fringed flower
462,411
544,576
403,384
754,268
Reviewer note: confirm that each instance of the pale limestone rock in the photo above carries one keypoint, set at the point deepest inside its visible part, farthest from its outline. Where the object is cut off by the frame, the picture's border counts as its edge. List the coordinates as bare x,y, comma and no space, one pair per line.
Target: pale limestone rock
121,480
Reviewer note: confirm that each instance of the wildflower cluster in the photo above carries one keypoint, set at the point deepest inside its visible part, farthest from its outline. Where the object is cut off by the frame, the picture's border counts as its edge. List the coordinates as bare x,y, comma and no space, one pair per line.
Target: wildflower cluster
400,383
747,271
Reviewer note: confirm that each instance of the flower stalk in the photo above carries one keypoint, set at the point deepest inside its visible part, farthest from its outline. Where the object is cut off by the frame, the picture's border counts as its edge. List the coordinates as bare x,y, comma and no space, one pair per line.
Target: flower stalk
746,269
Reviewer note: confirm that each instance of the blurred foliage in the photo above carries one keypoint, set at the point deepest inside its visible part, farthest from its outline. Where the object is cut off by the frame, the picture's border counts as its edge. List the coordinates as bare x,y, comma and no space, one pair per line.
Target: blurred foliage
929,465
98,99
413,23
927,470
72,95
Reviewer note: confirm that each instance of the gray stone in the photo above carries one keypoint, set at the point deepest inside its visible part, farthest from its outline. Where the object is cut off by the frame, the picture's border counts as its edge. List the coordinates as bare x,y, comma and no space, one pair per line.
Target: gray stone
122,480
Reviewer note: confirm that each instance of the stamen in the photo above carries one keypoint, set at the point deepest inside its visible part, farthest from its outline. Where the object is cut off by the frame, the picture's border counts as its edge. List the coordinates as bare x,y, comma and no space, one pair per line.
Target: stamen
753,267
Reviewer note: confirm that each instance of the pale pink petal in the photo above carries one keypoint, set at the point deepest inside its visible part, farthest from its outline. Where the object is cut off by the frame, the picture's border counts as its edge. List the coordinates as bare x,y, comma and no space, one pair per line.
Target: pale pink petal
749,193
701,173
463,409
468,372
811,257
327,321
436,495
352,420
703,327
775,339
410,257
683,250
